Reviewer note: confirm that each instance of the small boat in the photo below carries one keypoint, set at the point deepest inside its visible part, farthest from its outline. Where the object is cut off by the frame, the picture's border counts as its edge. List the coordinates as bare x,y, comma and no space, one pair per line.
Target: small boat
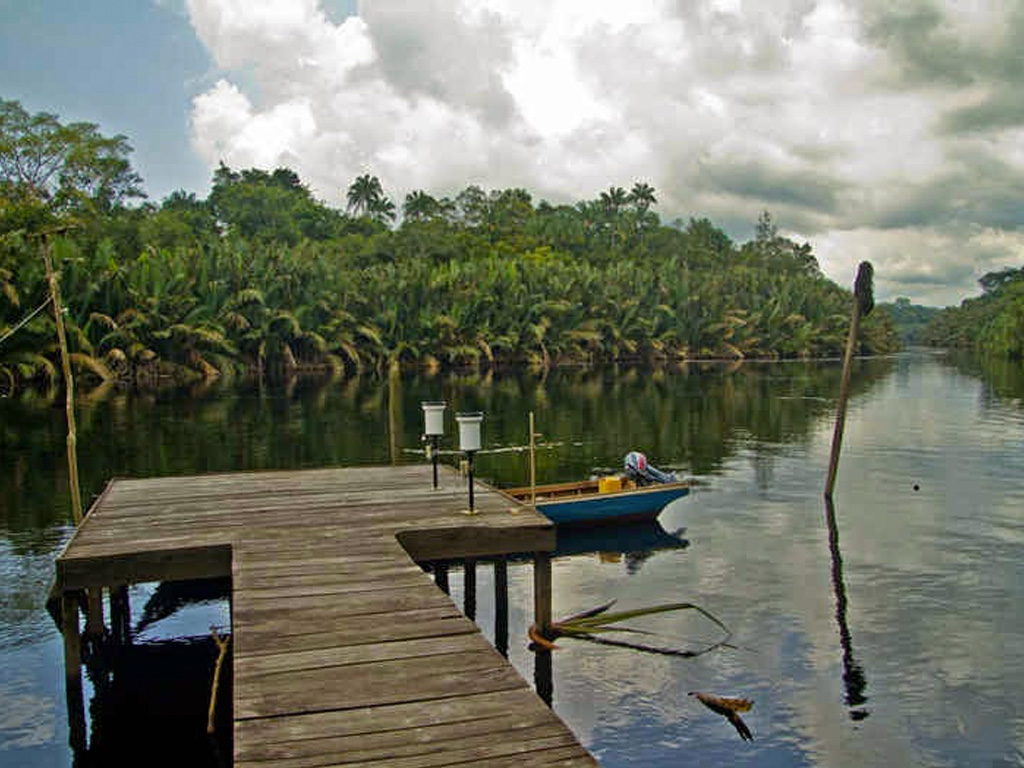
639,495
583,501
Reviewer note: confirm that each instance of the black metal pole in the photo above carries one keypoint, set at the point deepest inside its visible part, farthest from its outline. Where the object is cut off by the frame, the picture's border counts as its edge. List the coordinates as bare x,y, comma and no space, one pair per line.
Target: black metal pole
433,454
471,507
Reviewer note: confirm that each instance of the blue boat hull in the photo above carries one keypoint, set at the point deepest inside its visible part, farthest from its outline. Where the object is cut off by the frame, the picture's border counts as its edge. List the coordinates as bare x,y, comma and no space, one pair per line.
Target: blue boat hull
639,504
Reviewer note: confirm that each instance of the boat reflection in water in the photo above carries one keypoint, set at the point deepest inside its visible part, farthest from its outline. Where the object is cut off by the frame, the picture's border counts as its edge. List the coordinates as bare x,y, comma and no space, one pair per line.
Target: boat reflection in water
632,543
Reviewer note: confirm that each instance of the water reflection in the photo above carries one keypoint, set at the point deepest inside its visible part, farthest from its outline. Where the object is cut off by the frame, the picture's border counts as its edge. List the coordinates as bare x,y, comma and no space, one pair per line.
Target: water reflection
692,419
632,544
926,586
854,681
170,597
150,704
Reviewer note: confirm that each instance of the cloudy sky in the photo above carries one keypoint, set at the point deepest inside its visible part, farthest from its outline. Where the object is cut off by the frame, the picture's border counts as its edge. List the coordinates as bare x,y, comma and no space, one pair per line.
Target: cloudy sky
889,130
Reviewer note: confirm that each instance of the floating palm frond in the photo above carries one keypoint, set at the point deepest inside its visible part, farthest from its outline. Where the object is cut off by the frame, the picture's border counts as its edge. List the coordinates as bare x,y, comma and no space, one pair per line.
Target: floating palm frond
729,708
592,624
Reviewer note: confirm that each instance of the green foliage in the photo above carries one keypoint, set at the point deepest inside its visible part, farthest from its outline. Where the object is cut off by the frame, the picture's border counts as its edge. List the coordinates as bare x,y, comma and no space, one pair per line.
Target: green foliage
48,169
257,205
992,323
262,277
910,320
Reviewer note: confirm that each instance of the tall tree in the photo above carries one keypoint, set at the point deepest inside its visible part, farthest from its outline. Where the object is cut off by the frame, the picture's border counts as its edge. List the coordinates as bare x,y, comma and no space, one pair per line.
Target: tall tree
364,194
419,205
614,199
642,197
268,206
70,168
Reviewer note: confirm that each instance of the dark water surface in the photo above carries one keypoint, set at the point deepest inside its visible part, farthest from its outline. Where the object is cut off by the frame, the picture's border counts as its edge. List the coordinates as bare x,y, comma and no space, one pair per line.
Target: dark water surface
895,638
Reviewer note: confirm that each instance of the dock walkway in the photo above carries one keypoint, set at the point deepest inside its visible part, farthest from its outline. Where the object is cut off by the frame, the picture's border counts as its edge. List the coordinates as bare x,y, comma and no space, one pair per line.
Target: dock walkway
345,652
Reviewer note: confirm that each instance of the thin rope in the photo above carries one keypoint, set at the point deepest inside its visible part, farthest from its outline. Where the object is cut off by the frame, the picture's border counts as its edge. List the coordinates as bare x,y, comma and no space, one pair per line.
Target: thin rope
26,321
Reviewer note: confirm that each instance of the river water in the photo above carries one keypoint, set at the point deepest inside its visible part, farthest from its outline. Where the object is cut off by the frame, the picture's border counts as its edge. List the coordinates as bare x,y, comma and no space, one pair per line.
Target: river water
889,633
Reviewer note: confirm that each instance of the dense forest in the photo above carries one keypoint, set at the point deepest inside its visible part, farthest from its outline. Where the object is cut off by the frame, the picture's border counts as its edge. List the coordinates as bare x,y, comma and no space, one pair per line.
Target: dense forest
263,277
911,320
992,323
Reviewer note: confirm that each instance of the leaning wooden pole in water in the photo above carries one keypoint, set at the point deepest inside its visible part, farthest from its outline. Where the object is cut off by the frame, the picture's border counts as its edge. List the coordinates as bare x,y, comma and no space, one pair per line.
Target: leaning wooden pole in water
863,303
69,383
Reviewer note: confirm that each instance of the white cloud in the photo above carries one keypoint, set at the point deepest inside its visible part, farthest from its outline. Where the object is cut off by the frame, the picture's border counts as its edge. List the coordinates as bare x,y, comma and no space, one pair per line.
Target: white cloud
802,107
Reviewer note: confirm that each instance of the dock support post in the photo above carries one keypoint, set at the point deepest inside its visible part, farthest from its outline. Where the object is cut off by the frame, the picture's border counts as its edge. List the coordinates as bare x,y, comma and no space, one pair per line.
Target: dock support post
120,615
543,680
542,591
542,676
501,606
94,612
469,589
441,576
73,671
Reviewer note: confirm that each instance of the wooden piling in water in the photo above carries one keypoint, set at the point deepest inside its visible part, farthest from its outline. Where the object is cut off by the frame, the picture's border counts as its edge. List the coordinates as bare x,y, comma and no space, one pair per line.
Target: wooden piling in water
501,606
542,591
441,577
863,303
94,612
120,616
73,671
469,589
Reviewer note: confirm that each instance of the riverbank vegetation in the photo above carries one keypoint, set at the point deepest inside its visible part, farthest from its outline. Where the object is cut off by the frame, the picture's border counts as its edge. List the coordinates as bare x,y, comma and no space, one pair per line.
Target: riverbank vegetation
910,320
262,277
992,323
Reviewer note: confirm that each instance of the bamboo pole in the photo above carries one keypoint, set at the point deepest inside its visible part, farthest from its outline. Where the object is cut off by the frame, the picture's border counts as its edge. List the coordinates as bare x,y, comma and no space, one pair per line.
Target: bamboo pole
69,385
533,464
862,305
222,645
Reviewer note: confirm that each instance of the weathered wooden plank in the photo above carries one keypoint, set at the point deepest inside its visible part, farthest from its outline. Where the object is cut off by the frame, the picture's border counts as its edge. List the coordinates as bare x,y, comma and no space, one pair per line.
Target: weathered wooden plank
397,743
388,682
456,543
325,584
337,564
282,635
281,575
391,719
428,744
544,750
251,666
247,613
155,565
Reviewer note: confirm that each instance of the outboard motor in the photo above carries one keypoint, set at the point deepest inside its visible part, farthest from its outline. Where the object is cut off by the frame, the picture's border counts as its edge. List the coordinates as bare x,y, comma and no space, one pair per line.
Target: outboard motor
643,473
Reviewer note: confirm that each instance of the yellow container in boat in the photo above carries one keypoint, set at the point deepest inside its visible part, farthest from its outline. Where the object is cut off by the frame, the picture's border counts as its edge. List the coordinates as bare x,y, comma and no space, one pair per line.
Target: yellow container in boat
609,484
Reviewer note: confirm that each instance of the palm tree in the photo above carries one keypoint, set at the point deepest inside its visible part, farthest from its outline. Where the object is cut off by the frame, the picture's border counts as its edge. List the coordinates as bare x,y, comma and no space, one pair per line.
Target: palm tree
642,197
363,194
382,210
419,206
614,199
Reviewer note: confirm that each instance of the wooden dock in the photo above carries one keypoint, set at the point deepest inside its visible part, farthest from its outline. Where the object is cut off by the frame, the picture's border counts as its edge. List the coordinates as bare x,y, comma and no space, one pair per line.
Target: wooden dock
345,652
